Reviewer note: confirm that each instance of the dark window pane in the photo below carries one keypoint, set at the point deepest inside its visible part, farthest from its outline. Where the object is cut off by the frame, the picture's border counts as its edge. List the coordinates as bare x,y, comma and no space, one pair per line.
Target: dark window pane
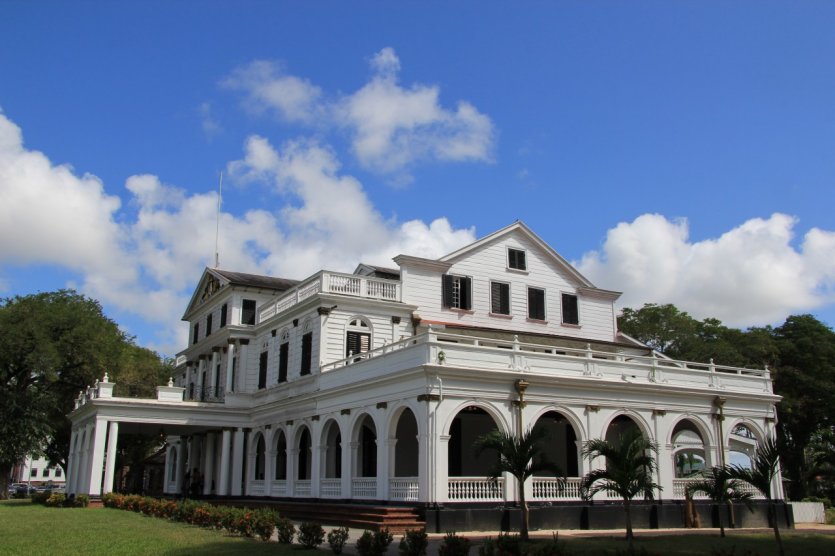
196,335
536,303
223,310
248,312
516,259
208,324
307,352
262,370
570,310
283,357
500,298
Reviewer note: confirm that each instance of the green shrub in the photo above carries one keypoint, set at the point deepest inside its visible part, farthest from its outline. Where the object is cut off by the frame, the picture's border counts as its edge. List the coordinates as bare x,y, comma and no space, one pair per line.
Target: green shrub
40,497
81,501
286,530
337,539
414,543
374,544
453,545
311,534
56,500
264,523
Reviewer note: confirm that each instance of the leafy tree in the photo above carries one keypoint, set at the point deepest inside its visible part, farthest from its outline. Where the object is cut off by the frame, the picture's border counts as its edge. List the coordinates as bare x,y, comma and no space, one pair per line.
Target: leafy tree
805,377
630,465
521,456
760,475
52,345
662,327
718,485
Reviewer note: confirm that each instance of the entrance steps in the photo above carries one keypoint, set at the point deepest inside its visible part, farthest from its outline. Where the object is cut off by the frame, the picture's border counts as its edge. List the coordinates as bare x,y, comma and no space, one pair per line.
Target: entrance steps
397,519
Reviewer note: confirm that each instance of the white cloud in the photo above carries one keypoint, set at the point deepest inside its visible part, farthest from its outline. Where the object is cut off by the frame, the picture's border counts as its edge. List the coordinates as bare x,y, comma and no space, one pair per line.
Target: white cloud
268,88
750,275
207,120
147,265
391,127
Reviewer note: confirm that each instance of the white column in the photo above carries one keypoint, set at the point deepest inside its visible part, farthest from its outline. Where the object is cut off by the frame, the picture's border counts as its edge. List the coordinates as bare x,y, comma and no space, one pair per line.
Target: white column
269,463
178,469
665,456
292,473
110,461
347,471
97,456
213,375
209,465
187,385
237,462
72,462
243,351
83,474
230,360
223,482
442,469
385,454
192,455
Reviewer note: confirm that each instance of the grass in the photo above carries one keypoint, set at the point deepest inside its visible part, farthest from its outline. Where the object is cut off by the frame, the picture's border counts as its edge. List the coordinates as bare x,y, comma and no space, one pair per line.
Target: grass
27,529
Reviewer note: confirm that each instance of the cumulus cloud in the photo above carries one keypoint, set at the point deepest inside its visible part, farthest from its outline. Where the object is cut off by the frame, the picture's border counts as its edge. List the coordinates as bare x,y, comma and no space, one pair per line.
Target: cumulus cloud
750,275
146,264
391,127
269,89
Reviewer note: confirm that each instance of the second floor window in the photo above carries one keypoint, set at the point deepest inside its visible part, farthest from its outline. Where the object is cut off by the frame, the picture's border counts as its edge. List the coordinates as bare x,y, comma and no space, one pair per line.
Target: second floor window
536,303
357,338
208,324
499,298
570,309
283,361
457,292
248,311
307,353
223,310
262,370
196,335
516,259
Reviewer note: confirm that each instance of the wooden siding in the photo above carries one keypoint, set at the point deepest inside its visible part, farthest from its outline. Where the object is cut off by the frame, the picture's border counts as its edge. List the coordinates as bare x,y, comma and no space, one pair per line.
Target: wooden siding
489,263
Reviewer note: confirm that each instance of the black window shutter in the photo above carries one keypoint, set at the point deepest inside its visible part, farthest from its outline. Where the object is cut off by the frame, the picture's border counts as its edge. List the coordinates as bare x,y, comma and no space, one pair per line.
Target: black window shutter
536,303
446,283
500,298
466,293
262,370
283,357
570,311
520,260
208,324
196,333
307,352
223,310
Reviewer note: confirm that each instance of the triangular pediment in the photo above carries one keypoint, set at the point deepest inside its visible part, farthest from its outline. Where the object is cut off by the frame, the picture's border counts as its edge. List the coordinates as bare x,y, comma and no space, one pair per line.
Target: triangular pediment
519,228
209,285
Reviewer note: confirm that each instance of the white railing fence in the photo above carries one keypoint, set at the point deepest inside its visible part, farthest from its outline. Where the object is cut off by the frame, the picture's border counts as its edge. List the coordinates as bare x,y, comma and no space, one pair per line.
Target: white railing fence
364,487
474,489
404,489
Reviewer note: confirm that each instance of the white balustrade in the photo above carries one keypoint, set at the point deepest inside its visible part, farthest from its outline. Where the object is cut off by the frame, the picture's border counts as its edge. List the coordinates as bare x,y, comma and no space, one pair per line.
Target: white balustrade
549,488
404,489
330,488
474,489
303,488
256,488
364,487
278,488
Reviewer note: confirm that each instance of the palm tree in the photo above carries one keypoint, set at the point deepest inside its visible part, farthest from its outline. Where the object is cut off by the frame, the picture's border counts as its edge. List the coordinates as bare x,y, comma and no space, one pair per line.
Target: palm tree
764,468
520,456
720,487
630,465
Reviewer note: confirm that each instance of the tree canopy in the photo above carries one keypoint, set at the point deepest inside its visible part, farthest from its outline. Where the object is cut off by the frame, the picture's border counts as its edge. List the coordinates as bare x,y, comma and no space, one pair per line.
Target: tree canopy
52,345
801,356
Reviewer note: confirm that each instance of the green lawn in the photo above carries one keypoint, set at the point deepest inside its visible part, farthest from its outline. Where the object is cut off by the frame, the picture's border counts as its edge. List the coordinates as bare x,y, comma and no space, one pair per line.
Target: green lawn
30,529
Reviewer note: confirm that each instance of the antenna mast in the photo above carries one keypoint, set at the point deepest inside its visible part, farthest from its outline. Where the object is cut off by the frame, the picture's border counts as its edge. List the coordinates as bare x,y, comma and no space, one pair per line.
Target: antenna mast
217,220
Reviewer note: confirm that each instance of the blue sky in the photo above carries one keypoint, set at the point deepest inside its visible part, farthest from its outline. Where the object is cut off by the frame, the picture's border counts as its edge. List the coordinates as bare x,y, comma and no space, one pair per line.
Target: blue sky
676,151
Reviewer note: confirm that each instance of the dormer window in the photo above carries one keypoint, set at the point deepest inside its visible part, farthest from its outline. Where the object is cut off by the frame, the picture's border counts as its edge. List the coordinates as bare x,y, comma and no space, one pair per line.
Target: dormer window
516,259
457,292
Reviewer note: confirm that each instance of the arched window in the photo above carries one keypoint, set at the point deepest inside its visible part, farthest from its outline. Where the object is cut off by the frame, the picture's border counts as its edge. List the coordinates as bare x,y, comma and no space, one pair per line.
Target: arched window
357,338
281,458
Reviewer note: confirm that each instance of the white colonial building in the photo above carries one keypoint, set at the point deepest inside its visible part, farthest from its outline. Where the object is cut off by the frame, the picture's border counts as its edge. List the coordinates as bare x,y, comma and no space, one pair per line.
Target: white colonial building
374,385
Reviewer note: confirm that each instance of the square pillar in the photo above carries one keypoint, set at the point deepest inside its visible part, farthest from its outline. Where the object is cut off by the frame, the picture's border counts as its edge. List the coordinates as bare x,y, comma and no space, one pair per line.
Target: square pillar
97,457
230,367
72,462
237,462
110,460
225,445
209,463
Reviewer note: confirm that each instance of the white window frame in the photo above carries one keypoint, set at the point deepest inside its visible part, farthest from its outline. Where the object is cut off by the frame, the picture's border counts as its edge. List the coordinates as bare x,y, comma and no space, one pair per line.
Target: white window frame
507,260
544,291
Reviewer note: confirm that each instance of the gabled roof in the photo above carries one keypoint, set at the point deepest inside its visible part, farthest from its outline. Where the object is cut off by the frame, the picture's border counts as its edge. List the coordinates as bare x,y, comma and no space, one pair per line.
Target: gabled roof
214,280
520,227
377,271
256,280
